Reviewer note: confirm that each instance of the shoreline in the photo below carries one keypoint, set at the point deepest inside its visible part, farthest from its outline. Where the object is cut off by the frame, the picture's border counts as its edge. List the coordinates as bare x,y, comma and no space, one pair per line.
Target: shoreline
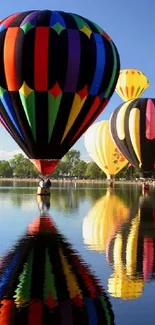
36,180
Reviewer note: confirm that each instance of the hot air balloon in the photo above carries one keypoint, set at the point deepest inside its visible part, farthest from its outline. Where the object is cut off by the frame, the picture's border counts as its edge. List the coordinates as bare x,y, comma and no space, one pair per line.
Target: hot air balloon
57,73
108,213
44,281
102,149
131,84
131,252
132,126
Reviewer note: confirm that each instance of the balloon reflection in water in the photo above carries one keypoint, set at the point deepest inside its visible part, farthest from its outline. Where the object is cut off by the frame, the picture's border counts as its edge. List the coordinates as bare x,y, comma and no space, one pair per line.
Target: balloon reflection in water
107,214
44,275
43,203
62,202
131,252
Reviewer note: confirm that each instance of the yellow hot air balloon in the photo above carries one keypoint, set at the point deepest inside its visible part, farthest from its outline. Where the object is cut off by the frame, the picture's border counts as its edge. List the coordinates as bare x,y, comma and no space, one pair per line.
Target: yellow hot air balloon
131,84
102,149
107,214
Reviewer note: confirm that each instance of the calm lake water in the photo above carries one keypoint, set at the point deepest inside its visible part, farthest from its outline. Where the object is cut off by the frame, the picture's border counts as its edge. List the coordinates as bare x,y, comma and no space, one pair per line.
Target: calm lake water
113,231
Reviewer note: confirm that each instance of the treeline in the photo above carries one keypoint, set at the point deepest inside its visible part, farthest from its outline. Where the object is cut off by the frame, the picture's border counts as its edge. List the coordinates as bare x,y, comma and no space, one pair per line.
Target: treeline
70,166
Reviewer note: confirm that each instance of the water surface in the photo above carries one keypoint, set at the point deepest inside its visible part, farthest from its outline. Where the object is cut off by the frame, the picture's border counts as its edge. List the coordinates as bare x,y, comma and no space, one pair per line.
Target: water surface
114,232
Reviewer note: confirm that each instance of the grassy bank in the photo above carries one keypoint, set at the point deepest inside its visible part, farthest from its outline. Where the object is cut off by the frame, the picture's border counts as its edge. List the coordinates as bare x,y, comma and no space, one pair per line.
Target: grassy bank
70,181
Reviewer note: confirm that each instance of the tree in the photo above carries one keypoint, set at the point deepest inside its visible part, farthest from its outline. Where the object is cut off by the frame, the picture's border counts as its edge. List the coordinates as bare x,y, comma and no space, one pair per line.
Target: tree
22,167
5,169
128,172
93,171
63,168
123,173
79,169
56,172
72,157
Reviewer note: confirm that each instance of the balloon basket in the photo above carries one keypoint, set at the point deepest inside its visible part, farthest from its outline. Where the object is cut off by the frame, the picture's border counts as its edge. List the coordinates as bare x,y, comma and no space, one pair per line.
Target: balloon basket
43,191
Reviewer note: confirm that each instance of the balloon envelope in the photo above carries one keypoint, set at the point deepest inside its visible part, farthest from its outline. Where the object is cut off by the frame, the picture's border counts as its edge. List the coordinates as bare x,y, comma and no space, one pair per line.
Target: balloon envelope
57,73
102,149
131,84
132,126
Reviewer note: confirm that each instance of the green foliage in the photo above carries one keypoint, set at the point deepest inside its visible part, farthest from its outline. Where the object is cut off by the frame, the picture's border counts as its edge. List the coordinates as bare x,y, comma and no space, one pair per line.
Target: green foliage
63,168
93,171
70,165
128,173
72,157
5,169
22,167
79,169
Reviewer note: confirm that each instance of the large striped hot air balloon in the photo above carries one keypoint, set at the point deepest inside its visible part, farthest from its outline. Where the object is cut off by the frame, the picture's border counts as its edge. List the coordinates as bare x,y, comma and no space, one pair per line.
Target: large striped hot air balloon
131,84
43,281
102,149
132,126
57,73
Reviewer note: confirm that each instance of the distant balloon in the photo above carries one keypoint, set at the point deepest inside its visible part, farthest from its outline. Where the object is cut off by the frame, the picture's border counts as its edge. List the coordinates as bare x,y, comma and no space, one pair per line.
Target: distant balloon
131,84
132,126
102,149
57,73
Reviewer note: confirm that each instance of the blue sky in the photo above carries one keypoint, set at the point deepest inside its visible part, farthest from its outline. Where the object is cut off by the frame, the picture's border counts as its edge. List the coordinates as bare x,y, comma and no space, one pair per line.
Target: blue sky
130,24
